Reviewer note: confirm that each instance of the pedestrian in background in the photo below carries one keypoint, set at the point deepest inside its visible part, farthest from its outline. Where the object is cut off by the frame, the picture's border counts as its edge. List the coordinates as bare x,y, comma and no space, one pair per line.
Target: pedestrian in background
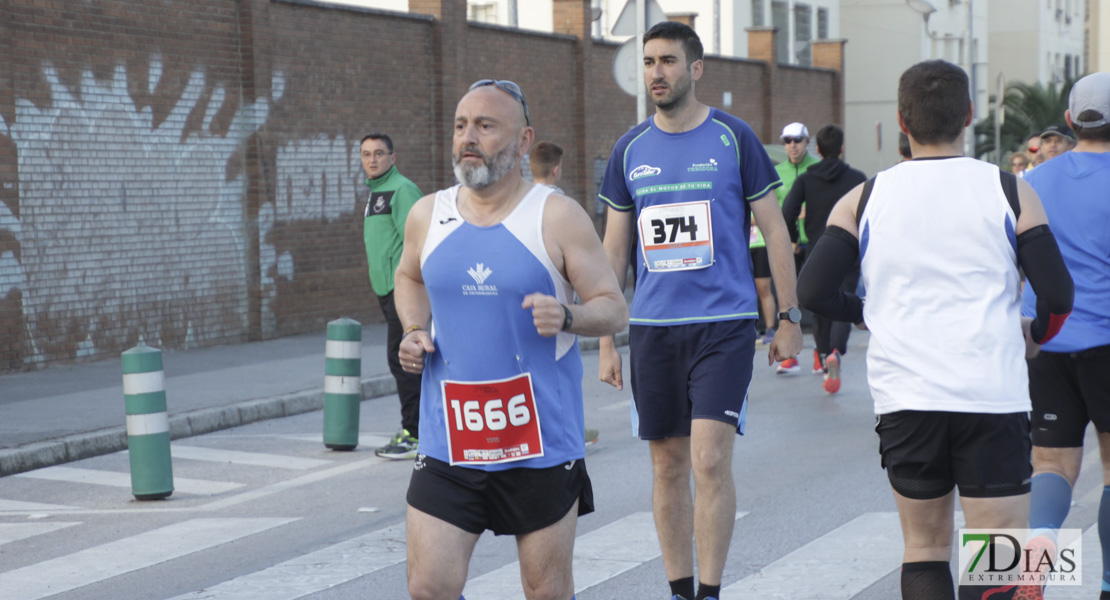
389,197
818,190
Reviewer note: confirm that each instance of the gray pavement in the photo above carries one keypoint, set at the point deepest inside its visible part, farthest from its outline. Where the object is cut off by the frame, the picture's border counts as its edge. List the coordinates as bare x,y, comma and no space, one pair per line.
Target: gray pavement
67,413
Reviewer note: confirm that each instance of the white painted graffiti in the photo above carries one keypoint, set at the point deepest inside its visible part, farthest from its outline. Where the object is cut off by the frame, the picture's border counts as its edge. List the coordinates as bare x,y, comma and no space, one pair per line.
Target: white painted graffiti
121,222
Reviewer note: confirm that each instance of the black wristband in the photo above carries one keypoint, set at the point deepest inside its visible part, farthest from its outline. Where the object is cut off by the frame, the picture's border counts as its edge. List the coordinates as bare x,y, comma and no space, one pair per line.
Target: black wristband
568,320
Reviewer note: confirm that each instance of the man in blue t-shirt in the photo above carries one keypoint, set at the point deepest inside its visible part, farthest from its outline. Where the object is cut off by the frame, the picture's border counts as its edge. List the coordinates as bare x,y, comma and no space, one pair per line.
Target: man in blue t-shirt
685,180
1069,381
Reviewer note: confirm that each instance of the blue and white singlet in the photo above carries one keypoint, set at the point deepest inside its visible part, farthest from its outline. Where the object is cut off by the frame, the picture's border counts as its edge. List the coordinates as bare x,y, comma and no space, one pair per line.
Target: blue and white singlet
477,278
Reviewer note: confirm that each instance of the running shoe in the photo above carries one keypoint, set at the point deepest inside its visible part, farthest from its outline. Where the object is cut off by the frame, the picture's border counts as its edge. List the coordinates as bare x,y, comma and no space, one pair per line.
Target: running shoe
591,436
767,337
789,365
832,378
401,447
818,368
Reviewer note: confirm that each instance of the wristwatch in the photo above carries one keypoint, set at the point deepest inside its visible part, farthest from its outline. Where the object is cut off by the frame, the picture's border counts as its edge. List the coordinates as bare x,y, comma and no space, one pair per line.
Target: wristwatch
794,315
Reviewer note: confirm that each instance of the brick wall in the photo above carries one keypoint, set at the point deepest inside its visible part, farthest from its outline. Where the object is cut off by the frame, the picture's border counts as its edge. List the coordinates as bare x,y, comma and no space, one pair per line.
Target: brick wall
186,172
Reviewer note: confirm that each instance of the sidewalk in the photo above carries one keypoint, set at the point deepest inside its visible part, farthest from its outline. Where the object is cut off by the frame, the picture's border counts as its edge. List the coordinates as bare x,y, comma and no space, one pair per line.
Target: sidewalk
67,413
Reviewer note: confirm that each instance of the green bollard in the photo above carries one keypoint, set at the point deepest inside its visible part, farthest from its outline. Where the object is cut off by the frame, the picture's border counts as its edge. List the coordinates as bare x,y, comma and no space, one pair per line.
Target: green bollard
148,429
342,384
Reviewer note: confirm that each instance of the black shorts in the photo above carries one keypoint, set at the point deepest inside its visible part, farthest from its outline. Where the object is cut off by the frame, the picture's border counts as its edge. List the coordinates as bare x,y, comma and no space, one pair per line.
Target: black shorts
684,372
510,502
1069,390
927,453
761,265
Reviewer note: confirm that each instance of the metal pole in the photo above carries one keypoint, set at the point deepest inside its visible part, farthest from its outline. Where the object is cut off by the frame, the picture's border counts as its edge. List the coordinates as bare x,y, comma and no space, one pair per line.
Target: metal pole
999,116
716,26
641,90
970,141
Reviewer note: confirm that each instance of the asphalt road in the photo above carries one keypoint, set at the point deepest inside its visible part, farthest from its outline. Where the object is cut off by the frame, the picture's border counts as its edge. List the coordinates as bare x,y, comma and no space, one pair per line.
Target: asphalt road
265,511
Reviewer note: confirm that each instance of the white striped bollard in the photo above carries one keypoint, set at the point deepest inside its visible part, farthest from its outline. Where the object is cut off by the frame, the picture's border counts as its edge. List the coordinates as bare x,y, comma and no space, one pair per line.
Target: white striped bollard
148,428
342,384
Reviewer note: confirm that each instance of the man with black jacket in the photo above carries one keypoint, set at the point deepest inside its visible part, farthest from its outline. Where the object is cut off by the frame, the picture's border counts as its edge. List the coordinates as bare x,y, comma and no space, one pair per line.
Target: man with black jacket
818,189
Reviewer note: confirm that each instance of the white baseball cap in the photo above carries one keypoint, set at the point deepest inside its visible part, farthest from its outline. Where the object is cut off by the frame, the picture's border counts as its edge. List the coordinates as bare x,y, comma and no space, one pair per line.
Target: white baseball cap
794,130
1092,93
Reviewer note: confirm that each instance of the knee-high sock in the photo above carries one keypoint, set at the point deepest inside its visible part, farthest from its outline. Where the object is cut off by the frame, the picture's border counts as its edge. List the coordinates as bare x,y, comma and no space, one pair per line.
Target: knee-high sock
1104,536
927,581
1049,501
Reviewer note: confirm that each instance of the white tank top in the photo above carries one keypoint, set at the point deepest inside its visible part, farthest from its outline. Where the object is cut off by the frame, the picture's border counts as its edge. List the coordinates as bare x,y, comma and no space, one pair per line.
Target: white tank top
939,260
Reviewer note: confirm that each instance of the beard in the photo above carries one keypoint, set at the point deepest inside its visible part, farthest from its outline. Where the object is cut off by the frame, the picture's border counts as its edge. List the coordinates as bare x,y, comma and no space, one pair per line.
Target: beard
490,171
677,97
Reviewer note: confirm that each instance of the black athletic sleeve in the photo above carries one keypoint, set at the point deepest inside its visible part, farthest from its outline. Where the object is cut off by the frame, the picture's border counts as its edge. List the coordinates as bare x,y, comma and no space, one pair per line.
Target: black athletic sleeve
792,207
830,261
1039,256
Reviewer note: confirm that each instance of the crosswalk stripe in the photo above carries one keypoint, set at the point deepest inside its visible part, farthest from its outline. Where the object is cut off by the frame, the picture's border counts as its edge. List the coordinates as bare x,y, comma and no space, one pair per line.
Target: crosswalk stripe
10,532
365,440
316,571
25,506
837,565
598,556
201,487
124,556
255,459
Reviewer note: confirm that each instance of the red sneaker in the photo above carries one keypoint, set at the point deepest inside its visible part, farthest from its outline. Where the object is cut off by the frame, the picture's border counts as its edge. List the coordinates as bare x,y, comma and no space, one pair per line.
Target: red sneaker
818,368
789,365
832,377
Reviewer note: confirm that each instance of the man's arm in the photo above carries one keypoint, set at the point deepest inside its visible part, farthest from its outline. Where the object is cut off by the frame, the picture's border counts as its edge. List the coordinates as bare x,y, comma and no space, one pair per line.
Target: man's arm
617,245
787,342
577,252
829,262
409,294
1039,256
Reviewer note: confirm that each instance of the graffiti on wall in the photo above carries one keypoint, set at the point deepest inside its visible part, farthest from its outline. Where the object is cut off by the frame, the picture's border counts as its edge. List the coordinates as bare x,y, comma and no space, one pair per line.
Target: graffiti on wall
317,182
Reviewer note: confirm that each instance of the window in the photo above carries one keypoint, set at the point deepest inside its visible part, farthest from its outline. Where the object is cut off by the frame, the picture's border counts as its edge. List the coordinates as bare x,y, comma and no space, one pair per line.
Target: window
758,18
780,16
803,32
822,23
485,12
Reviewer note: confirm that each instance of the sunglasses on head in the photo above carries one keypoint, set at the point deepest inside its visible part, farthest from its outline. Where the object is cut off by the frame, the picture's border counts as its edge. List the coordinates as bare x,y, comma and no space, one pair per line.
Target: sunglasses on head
509,88
793,140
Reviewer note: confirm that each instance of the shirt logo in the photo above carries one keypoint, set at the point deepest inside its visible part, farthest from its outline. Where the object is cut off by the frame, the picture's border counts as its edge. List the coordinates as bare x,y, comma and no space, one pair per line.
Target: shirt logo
644,171
479,272
704,166
377,203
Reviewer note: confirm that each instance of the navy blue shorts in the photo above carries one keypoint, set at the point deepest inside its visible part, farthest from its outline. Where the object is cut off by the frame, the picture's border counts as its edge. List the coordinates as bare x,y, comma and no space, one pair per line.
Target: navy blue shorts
696,371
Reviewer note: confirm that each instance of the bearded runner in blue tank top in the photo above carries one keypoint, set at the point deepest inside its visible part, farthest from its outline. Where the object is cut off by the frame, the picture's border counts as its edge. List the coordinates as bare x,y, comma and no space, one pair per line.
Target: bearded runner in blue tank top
684,181
476,278
493,264
712,171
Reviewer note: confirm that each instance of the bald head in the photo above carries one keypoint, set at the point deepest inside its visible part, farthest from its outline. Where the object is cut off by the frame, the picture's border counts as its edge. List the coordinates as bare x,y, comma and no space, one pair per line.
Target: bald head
491,136
496,103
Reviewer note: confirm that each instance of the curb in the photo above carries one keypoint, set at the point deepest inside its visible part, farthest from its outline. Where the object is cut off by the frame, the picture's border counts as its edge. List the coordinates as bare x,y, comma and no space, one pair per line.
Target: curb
79,446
